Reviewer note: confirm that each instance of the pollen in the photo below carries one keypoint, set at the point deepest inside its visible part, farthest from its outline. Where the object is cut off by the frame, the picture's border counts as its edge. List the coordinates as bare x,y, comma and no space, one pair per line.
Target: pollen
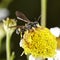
39,42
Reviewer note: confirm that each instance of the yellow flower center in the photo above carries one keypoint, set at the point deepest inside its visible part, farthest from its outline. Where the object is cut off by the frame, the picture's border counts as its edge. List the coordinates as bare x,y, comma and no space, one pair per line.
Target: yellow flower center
39,42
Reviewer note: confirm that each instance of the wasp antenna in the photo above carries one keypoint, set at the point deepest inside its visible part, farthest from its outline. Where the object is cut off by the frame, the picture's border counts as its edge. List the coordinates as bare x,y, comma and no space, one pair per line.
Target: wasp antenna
39,18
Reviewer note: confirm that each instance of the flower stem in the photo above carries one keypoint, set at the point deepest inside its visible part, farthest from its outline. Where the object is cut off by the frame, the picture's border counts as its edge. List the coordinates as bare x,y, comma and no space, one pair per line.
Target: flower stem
8,36
0,44
43,12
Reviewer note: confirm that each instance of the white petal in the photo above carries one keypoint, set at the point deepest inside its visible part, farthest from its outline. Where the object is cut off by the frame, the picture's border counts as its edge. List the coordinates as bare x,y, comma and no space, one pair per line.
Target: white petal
55,31
50,58
31,57
57,57
20,43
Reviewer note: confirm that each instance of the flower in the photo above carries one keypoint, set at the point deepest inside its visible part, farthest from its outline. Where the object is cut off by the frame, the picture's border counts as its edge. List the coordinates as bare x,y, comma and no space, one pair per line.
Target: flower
7,24
39,42
9,27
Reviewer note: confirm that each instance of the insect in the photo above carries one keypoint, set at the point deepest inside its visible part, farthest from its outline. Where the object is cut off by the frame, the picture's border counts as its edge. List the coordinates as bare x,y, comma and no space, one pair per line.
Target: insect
29,24
21,16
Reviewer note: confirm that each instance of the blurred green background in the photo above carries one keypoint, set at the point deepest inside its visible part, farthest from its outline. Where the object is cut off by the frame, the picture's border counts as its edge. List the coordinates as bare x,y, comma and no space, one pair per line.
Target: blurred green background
32,9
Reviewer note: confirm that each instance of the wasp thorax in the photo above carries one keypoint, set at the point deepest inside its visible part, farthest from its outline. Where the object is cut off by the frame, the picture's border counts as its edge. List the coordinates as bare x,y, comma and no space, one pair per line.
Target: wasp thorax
31,24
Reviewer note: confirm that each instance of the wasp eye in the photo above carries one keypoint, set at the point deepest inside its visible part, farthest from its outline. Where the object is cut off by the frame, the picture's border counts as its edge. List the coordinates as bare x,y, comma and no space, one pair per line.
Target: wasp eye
35,24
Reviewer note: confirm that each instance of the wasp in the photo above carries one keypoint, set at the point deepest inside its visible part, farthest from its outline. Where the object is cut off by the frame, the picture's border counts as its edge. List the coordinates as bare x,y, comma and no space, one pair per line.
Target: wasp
29,24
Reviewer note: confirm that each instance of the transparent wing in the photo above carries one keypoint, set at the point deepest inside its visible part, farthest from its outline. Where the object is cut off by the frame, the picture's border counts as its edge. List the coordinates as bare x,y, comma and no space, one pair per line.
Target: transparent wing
21,16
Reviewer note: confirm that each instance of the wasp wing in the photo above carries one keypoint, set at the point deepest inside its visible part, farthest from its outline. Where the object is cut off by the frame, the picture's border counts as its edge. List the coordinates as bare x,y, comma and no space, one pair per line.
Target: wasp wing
22,16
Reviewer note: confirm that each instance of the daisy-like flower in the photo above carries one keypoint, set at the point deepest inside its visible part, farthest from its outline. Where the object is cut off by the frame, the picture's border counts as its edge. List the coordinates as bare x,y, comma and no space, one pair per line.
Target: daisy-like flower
39,42
8,24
